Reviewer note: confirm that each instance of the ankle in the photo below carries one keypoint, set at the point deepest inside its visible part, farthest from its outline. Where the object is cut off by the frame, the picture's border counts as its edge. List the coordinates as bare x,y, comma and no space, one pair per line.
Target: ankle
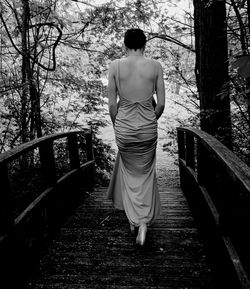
143,225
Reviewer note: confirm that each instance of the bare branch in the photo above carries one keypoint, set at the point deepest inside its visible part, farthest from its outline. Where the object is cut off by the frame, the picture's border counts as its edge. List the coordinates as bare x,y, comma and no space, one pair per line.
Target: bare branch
31,57
242,28
171,39
85,3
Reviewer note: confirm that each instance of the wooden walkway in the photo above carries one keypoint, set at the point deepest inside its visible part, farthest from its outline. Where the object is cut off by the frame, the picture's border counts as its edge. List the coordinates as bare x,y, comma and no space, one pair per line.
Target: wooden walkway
95,249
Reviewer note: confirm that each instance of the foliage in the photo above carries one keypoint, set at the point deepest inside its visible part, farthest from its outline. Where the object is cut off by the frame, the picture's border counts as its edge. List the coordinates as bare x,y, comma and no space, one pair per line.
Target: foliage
104,161
238,37
103,154
68,49
238,84
25,173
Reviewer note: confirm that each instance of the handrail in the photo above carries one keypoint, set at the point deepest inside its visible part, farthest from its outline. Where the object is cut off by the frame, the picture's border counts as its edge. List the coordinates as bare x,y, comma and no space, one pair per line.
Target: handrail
36,224
8,156
217,185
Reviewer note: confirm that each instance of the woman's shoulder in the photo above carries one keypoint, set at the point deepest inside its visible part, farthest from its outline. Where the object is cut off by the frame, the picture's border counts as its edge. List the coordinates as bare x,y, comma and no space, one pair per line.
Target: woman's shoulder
156,62
113,65
113,62
157,65
153,62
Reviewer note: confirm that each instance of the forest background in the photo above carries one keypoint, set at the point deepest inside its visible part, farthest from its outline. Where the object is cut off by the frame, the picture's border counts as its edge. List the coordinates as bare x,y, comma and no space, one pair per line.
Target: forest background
55,57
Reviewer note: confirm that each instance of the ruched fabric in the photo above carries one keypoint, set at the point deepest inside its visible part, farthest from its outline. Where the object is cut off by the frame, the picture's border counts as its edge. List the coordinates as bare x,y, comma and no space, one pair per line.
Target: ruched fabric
133,185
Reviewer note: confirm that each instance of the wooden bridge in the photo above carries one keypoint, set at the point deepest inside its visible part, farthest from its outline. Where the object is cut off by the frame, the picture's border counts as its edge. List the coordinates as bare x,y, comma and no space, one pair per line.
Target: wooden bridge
58,230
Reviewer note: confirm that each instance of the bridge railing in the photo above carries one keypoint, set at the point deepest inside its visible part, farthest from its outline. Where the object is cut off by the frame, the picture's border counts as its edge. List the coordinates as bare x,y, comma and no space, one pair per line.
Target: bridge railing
25,232
217,185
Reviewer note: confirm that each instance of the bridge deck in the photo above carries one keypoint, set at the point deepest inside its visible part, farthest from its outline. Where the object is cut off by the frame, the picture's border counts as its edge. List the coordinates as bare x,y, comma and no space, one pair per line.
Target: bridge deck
95,249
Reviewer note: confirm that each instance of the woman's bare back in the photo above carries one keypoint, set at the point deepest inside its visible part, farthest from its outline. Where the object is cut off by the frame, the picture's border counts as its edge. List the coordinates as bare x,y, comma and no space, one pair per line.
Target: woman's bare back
137,77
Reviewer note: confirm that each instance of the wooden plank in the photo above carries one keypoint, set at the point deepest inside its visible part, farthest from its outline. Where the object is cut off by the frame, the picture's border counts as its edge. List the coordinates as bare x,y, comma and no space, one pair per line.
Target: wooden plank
95,248
60,285
227,253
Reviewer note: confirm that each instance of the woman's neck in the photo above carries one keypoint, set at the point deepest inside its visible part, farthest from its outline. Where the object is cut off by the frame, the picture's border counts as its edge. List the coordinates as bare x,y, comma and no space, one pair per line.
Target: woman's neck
134,53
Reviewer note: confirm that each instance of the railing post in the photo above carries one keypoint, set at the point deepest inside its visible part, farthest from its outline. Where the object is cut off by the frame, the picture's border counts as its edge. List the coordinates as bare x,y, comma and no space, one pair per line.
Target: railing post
89,147
181,153
90,157
6,216
47,159
201,163
181,144
190,162
73,151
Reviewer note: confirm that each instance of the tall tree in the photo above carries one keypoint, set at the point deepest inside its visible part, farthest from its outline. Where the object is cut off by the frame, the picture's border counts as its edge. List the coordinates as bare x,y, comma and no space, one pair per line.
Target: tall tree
238,22
25,65
31,39
212,67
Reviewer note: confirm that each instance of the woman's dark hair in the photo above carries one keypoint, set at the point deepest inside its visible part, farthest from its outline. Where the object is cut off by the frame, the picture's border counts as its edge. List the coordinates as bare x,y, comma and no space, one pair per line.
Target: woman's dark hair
134,39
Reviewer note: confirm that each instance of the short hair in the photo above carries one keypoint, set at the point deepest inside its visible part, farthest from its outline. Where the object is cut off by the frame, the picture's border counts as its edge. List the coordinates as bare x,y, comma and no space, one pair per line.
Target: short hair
134,38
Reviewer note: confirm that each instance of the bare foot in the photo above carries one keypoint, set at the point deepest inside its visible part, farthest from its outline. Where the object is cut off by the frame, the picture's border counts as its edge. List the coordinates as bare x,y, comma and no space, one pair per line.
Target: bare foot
141,237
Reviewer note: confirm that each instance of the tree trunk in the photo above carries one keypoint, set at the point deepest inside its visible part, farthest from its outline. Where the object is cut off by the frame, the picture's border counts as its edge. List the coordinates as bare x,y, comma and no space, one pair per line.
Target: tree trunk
34,95
25,90
30,88
212,68
248,14
248,85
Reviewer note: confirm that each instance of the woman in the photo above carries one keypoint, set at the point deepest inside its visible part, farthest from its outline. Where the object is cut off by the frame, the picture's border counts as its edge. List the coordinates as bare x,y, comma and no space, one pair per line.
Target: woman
133,186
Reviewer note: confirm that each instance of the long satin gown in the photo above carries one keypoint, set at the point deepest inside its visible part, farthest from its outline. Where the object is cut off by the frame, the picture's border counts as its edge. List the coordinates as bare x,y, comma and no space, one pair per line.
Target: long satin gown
133,185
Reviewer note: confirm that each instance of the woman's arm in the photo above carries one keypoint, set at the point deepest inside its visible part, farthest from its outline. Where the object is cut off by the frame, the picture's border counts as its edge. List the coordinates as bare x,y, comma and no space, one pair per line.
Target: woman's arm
112,93
160,91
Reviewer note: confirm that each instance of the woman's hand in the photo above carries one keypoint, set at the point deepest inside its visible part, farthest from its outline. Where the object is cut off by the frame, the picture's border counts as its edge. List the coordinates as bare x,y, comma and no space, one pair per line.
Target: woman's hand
112,93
